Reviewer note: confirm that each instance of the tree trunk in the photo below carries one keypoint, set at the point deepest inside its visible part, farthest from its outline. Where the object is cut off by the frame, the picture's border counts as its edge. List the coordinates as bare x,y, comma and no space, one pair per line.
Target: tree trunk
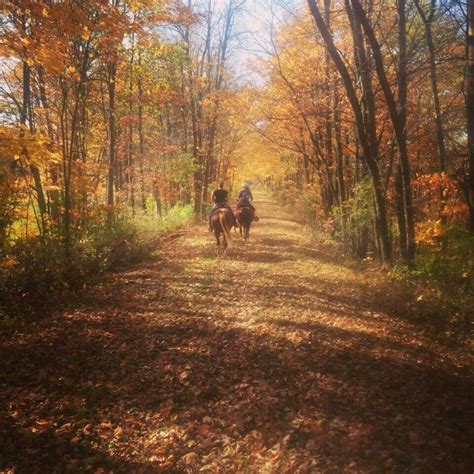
205,184
341,187
370,159
130,163
364,71
402,140
141,138
328,145
397,115
427,22
402,232
112,69
26,117
53,195
470,110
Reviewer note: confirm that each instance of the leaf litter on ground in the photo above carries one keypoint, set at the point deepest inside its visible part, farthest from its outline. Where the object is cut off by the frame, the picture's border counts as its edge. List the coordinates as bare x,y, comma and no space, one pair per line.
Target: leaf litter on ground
279,357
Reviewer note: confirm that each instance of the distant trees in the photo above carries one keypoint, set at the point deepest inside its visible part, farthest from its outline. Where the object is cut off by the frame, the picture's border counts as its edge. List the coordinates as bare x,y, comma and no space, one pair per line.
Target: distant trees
131,99
206,78
379,109
116,117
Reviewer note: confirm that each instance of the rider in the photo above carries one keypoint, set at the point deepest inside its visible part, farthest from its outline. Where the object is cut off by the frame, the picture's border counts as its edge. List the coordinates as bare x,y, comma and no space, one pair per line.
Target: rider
219,198
245,199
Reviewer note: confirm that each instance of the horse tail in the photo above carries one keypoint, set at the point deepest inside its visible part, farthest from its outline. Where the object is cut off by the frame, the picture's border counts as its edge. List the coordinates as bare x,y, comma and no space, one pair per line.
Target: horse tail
225,229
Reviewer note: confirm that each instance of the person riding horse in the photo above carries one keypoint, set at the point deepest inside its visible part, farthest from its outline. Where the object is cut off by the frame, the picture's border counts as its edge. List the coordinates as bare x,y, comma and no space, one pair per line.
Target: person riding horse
219,197
246,198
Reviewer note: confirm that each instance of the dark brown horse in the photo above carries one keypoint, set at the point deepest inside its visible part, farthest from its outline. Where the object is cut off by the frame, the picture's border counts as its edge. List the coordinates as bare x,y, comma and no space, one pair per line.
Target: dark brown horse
221,223
245,216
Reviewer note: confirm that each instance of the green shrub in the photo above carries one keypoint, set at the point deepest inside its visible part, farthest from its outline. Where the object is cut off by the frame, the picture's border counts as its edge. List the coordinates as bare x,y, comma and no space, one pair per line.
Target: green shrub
353,222
443,279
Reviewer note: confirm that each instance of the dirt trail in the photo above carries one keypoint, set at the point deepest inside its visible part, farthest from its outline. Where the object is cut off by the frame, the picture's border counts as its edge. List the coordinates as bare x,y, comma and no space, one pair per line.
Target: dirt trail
276,358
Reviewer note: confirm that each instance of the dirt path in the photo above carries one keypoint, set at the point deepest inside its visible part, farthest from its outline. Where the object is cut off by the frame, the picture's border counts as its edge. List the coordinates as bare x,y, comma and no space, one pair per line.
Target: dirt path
277,358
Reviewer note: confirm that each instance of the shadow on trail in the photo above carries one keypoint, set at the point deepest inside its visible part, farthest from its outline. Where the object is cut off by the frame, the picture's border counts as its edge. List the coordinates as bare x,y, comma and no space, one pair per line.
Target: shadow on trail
274,250
335,396
172,360
256,254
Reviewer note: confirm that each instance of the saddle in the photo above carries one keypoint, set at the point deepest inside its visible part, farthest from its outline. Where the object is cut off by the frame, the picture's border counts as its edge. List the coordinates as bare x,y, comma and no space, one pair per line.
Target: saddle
241,204
220,205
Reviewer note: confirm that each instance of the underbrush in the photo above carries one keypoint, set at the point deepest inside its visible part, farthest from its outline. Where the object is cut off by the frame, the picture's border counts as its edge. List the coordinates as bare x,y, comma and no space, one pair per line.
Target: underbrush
442,280
37,275
438,287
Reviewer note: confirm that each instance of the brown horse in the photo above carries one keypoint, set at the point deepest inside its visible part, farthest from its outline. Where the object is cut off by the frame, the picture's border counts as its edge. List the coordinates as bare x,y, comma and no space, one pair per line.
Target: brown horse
221,223
245,216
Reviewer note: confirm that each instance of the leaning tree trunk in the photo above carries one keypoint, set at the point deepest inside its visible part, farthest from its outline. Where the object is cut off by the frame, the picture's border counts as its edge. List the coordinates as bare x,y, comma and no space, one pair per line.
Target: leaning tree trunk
370,159
397,117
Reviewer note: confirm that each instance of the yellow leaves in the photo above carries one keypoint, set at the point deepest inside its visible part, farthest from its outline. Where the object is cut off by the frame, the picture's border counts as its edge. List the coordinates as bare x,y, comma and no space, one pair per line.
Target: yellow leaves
134,5
73,72
55,157
86,34
164,49
429,232
18,142
438,194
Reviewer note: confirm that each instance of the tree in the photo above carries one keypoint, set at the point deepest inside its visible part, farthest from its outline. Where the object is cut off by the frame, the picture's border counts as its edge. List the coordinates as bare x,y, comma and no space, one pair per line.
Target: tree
369,153
470,110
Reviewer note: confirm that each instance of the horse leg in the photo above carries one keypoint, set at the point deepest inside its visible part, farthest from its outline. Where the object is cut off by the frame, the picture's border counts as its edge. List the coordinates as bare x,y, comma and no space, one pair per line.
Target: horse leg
224,243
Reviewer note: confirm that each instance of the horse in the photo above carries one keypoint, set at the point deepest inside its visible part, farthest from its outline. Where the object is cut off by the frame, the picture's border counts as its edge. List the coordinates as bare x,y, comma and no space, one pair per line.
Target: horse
221,223
245,215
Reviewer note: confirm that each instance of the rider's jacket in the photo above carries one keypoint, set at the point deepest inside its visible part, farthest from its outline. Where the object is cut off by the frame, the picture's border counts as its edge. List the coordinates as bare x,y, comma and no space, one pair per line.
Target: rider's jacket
245,196
219,195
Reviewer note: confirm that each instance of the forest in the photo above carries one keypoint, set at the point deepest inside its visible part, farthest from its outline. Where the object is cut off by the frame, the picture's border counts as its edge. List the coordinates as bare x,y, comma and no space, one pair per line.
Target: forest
119,117
116,117
353,123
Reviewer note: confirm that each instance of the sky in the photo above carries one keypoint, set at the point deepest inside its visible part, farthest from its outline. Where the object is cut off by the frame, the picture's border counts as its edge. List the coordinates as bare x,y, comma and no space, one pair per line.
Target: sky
253,31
